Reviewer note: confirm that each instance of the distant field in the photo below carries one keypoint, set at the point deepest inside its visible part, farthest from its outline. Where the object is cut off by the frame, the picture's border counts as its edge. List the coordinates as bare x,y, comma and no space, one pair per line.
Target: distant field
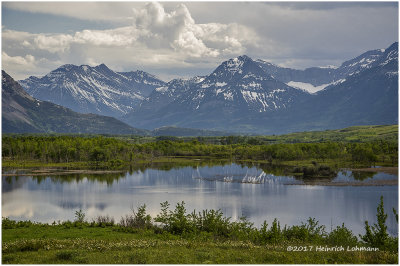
350,134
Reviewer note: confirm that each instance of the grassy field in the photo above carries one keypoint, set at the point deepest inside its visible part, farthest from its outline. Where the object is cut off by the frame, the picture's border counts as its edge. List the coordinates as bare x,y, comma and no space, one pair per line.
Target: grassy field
350,134
45,244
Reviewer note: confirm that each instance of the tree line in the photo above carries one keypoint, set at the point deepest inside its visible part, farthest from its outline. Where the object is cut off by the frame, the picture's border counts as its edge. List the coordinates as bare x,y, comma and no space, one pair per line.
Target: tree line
57,149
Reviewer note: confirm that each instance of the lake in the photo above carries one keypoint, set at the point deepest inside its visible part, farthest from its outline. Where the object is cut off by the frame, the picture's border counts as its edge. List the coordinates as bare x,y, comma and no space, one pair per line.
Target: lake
257,192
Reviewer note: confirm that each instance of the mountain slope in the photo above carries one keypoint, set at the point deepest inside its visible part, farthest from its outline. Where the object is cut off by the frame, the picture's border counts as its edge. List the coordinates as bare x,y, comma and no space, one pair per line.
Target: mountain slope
238,87
317,78
22,113
96,90
366,97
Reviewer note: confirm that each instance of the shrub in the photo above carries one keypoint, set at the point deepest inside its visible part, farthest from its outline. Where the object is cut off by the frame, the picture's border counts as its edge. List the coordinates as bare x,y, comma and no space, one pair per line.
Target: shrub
376,235
211,221
241,229
6,223
342,236
10,224
296,233
104,220
80,216
138,219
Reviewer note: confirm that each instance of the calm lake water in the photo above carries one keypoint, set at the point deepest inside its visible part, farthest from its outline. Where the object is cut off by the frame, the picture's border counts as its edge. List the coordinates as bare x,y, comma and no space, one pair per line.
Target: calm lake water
237,190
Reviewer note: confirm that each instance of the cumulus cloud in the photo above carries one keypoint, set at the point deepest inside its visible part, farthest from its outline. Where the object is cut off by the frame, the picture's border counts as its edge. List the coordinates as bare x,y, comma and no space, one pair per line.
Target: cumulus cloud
179,30
21,66
53,44
117,37
26,61
155,37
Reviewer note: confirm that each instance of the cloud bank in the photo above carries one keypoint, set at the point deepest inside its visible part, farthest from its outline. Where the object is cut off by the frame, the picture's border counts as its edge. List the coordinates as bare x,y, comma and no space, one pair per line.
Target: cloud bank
166,39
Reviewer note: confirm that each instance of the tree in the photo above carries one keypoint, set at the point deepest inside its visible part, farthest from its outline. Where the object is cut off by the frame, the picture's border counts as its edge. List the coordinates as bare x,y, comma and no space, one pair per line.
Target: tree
377,235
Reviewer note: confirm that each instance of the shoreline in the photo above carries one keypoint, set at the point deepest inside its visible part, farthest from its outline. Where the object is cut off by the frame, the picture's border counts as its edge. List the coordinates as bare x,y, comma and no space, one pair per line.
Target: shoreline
387,170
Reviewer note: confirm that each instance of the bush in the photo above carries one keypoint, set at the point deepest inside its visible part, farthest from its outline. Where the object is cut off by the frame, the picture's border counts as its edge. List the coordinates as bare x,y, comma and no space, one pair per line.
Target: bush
6,223
103,221
80,216
211,221
10,224
137,220
176,221
296,233
342,236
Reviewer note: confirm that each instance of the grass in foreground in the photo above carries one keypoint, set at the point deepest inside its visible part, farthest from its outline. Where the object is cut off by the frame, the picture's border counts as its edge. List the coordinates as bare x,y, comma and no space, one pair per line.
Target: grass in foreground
204,237
94,247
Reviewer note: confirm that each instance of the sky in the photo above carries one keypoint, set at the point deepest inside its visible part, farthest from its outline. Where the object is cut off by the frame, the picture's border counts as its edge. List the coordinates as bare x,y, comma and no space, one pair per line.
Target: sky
185,39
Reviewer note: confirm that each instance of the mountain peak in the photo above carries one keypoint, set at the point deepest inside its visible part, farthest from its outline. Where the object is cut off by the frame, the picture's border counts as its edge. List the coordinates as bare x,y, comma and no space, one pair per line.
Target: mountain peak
235,65
67,67
102,67
239,60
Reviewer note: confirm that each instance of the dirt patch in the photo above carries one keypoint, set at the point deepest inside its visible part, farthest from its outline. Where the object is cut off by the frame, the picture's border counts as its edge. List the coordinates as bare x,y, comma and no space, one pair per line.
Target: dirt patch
387,170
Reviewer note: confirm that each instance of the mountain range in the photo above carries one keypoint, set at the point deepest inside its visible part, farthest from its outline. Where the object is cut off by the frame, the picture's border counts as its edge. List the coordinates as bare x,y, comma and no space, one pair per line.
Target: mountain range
240,95
21,113
97,90
243,95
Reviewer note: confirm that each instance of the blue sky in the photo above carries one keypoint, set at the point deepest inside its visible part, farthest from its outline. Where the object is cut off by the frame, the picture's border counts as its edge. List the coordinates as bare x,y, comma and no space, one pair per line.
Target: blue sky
183,39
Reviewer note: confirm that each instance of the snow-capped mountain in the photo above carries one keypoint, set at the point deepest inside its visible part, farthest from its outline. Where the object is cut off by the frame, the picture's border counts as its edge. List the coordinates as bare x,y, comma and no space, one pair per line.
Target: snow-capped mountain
368,96
238,86
21,113
240,82
318,78
242,95
97,89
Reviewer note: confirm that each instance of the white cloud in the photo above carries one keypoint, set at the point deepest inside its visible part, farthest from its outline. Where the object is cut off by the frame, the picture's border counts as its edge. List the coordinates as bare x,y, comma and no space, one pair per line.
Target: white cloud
179,30
26,61
193,38
156,38
117,37
53,44
19,66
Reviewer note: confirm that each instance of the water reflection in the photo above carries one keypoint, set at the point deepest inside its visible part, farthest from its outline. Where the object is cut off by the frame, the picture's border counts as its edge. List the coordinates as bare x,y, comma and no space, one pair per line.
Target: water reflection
258,192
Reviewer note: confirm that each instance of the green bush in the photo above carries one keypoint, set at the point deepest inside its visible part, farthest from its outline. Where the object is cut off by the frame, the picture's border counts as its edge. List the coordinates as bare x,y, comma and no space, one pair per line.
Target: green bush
376,235
10,224
79,216
138,219
341,236
211,221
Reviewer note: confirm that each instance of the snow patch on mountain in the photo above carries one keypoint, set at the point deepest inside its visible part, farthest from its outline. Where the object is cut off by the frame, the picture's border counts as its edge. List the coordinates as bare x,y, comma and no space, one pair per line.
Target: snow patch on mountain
220,84
329,67
308,87
162,89
235,65
228,96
